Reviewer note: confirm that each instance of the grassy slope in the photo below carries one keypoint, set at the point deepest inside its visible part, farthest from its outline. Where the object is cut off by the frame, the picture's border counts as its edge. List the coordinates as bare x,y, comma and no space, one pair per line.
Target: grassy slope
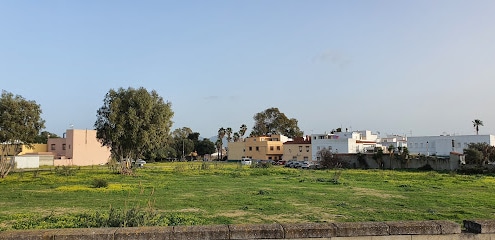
225,193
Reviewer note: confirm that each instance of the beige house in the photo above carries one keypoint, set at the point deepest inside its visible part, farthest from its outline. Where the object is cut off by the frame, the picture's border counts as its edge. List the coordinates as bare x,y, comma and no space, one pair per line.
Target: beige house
79,148
298,149
258,148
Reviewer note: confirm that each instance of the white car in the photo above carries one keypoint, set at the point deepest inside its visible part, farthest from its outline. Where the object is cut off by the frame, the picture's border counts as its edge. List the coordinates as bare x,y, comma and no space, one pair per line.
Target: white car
246,161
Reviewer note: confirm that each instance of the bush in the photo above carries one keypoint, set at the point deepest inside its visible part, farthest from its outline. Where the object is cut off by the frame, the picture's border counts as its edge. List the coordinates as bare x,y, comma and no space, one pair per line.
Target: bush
65,170
99,183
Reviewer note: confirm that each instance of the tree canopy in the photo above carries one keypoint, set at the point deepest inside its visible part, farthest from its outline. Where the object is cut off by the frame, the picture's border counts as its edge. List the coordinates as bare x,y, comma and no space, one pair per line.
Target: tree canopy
133,121
272,121
479,153
20,123
43,137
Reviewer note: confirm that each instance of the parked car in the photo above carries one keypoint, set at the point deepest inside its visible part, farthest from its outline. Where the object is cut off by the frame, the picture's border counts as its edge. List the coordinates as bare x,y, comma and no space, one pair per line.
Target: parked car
296,164
289,164
307,164
246,161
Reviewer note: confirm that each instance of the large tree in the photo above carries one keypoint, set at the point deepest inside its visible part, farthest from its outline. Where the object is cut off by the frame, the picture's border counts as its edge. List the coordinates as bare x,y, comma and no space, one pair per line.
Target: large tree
476,124
272,121
133,121
205,147
479,153
20,123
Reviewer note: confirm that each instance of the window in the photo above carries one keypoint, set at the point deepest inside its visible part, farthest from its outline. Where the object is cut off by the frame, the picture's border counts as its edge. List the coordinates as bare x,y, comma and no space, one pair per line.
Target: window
63,146
318,148
269,158
300,148
294,157
305,158
307,148
250,148
271,148
52,147
278,147
257,148
317,158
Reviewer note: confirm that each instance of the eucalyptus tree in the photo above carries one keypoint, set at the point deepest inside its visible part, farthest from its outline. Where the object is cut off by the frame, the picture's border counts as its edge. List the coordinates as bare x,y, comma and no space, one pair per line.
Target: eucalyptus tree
20,123
272,121
132,122
476,124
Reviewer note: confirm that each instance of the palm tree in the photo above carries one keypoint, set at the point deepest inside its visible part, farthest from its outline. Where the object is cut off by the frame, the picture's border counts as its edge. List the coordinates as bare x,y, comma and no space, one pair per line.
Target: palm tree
243,130
476,124
218,144
228,131
236,137
221,134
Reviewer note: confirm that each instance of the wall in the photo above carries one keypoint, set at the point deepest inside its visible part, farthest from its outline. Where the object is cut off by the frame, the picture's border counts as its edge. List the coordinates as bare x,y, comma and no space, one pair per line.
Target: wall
85,149
27,161
411,163
406,230
25,149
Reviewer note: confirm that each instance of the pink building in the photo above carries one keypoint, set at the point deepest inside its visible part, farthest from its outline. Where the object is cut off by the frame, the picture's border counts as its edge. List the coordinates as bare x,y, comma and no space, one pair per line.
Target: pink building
78,148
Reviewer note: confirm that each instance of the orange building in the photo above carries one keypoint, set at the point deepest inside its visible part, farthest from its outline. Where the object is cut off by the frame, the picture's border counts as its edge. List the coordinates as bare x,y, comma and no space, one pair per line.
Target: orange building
78,148
258,148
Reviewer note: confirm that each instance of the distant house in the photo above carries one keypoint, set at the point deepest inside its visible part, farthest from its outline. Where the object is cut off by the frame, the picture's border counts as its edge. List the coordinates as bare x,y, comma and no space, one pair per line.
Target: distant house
344,142
298,149
443,145
78,148
258,148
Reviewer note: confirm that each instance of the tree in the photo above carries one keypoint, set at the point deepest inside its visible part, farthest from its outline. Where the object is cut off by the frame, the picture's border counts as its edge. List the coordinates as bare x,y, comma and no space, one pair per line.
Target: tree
228,132
378,156
221,134
183,141
479,153
328,160
181,133
205,147
391,150
272,121
43,137
236,137
242,130
218,144
20,123
476,124
132,122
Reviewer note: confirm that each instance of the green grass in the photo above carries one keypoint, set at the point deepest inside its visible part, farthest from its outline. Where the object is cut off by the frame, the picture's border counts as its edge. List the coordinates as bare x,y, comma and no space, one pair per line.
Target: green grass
225,193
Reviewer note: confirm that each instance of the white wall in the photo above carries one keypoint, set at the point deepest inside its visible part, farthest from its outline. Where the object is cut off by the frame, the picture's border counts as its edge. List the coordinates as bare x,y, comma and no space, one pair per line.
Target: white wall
27,161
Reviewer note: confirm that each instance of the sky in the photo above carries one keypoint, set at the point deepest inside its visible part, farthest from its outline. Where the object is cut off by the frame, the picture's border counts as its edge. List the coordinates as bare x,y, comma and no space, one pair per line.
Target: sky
413,68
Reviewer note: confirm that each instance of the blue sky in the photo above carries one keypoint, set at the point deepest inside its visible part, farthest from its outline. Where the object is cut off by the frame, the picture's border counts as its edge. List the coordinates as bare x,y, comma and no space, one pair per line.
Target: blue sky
398,67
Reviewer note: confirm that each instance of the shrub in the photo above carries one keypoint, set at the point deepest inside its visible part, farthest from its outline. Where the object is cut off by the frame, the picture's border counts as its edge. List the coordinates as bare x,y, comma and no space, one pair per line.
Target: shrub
65,170
99,183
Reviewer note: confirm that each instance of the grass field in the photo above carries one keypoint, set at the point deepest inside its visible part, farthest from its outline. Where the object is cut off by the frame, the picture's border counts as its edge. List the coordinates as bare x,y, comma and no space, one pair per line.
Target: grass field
226,193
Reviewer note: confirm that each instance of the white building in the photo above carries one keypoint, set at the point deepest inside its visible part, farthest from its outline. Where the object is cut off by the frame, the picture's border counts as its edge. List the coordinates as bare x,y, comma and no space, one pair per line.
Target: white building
444,144
395,140
343,142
